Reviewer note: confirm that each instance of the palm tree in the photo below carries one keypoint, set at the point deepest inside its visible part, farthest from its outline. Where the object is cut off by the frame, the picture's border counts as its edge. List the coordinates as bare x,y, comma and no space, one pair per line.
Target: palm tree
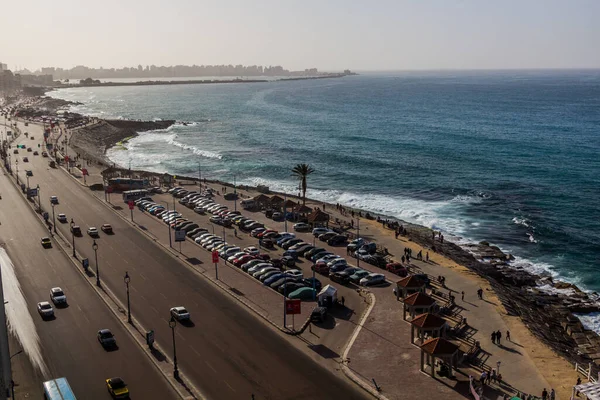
301,171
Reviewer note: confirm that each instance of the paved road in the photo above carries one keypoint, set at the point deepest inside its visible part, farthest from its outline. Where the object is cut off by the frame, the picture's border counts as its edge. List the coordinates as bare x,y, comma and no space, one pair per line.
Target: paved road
68,343
228,352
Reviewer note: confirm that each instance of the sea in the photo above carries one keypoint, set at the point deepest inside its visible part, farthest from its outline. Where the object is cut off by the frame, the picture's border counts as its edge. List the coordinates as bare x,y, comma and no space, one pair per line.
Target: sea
509,157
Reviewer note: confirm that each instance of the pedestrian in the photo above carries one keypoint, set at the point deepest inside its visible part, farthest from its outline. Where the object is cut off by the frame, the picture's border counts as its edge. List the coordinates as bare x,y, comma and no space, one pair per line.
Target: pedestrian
578,383
544,394
508,335
552,394
402,259
493,335
343,301
462,295
498,336
483,378
493,376
235,232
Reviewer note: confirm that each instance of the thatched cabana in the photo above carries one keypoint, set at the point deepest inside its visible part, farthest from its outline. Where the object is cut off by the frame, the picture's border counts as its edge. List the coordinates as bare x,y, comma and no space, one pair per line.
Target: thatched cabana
318,218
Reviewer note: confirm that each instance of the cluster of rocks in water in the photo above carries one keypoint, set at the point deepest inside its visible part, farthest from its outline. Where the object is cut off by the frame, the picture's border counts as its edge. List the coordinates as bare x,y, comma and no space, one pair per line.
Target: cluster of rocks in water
547,307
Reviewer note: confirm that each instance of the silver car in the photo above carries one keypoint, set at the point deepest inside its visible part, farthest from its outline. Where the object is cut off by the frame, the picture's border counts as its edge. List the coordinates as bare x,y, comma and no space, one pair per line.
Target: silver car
45,309
57,295
180,313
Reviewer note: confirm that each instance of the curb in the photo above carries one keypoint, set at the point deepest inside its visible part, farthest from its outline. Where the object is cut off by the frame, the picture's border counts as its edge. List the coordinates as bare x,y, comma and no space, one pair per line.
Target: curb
108,295
347,371
196,269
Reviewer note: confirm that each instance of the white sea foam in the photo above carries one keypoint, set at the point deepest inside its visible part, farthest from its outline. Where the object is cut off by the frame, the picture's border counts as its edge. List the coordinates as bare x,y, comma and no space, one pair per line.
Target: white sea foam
520,221
20,322
590,321
195,150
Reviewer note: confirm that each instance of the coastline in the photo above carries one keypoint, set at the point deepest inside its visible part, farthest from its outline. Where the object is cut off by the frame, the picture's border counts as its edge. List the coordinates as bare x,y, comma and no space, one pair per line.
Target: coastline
518,291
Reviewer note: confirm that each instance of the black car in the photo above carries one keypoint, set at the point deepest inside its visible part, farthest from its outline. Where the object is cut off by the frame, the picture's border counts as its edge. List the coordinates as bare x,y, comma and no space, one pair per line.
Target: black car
343,276
318,314
326,236
305,249
309,282
337,240
309,253
290,287
289,243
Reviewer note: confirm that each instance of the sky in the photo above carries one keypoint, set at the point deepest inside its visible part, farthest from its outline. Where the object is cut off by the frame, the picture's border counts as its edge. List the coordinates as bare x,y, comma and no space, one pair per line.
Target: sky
327,34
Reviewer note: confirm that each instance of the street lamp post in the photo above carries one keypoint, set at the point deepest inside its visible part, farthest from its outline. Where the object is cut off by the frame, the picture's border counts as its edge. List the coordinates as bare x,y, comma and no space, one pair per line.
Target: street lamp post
498,365
213,228
172,324
127,279
17,164
72,224
53,218
27,177
39,198
168,227
234,194
95,247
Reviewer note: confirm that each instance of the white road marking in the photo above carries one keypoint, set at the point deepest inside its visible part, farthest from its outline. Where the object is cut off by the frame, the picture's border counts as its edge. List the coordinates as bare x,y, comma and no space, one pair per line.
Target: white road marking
210,366
143,276
228,385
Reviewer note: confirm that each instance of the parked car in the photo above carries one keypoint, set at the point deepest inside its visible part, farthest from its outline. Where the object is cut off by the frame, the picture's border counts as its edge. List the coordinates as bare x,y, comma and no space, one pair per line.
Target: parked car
288,261
310,282
309,253
290,287
326,236
397,268
358,275
321,268
342,276
372,279
337,240
319,231
355,244
289,243
252,250
301,227
304,293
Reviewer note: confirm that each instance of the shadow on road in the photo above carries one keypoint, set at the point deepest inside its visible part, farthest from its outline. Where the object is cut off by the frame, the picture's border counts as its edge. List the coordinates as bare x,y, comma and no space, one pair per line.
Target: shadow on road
323,351
188,323
158,354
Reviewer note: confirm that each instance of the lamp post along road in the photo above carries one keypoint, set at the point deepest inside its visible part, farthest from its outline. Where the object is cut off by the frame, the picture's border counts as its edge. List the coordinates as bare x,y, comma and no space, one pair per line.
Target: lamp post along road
72,224
168,227
39,199
127,279
53,218
95,247
172,324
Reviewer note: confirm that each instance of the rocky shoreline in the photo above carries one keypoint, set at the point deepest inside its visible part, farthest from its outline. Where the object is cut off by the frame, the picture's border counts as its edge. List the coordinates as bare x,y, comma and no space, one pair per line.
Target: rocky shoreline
549,314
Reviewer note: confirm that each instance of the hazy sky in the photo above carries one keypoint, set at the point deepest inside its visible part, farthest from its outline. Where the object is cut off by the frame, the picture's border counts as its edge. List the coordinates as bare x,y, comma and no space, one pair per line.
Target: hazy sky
328,34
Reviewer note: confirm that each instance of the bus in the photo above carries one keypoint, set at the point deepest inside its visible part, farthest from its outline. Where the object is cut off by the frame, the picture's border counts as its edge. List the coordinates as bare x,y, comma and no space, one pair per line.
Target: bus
120,184
133,195
58,389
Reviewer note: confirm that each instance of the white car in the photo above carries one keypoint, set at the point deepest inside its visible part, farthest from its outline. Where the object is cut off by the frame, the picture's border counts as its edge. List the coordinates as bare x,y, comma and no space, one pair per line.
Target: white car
93,231
253,251
180,313
264,270
62,218
236,255
328,258
295,273
286,235
230,251
58,296
45,309
258,267
372,279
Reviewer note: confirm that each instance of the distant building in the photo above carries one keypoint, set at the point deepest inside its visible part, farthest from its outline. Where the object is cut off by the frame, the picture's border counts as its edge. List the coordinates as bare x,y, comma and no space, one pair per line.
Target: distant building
3,67
9,82
37,80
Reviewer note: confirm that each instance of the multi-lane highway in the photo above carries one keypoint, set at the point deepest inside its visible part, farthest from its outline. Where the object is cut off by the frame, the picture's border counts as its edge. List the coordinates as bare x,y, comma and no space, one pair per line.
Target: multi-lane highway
227,352
67,345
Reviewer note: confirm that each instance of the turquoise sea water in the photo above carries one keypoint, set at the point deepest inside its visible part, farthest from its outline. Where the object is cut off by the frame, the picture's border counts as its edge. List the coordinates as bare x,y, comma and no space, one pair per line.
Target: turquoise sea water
508,157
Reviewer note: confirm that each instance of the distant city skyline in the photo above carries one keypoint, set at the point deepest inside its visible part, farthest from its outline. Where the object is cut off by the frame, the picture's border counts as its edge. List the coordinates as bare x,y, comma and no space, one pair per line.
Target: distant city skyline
384,35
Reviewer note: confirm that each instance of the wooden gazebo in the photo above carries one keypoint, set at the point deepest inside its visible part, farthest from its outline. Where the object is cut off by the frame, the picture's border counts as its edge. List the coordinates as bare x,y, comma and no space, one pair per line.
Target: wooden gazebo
276,201
438,348
318,218
427,324
418,303
261,200
409,285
